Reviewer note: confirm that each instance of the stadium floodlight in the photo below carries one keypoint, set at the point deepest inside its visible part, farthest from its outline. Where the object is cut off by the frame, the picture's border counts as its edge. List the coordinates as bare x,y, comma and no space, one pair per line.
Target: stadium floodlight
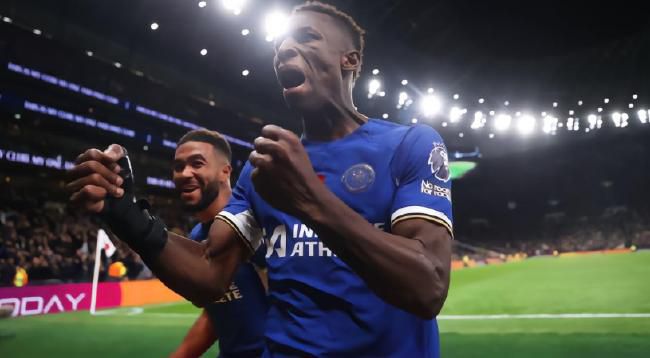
234,6
461,134
89,53
479,120
444,124
405,82
382,93
245,73
455,114
643,115
414,120
526,124
37,32
616,118
384,116
580,103
154,26
492,113
204,52
554,104
491,135
630,106
600,109
549,124
7,20
118,65
593,120
543,114
402,99
430,90
245,32
502,122
624,119
275,24
375,71
634,96
430,105
570,123
373,87
571,112
203,4
506,103
606,100
456,96
481,100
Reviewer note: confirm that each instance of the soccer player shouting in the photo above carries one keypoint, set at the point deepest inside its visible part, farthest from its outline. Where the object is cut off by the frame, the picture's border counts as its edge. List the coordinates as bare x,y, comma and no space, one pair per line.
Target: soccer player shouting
356,214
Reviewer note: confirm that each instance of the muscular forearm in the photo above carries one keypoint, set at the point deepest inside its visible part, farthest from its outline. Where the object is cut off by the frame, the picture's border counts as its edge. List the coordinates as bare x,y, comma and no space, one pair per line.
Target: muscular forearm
183,265
398,267
200,337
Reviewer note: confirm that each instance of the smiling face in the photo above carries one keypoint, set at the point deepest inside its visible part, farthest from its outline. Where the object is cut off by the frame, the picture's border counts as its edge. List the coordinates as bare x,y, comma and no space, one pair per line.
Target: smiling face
315,61
199,172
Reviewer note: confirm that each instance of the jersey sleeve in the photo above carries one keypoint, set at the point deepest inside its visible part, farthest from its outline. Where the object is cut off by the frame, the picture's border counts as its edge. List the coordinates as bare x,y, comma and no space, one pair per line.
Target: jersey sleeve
239,213
420,169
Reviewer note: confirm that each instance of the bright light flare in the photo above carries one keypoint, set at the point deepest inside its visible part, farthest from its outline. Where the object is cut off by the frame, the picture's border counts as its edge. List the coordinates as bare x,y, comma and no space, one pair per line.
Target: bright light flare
526,124
275,24
430,105
502,122
234,6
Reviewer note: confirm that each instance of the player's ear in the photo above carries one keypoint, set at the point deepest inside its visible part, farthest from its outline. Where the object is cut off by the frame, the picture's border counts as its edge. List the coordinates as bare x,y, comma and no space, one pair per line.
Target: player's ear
226,171
351,61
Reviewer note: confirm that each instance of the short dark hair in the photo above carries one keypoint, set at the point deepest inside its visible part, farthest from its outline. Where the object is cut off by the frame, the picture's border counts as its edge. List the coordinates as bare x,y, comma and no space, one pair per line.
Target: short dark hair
219,143
354,30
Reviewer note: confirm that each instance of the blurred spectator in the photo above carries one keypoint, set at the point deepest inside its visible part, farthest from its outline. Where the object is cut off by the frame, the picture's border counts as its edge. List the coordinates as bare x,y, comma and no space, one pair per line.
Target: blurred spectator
52,244
55,245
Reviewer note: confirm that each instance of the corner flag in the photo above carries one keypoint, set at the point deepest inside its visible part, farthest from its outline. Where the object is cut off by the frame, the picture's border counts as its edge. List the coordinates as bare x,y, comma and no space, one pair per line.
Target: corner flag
103,243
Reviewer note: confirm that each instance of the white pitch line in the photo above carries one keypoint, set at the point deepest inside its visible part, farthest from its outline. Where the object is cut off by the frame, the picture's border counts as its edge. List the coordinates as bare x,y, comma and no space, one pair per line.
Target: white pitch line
543,316
128,311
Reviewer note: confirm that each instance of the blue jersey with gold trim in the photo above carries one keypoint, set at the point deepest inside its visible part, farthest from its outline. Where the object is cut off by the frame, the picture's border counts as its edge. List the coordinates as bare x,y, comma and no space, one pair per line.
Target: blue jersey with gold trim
319,306
238,317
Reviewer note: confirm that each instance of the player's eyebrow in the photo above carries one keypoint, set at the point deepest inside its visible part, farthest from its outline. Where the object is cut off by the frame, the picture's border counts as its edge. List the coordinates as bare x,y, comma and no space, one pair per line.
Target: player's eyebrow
188,159
293,32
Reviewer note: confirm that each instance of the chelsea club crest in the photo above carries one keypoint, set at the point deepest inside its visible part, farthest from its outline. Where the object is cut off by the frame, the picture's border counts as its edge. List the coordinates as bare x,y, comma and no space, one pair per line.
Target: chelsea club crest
358,178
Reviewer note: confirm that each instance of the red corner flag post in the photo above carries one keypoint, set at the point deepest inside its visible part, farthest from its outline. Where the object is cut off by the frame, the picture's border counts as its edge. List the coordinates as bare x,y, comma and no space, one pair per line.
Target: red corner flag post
103,243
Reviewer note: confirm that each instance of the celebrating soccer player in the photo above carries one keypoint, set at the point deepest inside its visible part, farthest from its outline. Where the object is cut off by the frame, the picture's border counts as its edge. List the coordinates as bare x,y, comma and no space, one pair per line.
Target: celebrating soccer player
201,172
356,214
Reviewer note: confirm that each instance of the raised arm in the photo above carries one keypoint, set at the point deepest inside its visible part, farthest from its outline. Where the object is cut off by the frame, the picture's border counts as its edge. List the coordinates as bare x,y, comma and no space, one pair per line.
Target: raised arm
200,272
408,267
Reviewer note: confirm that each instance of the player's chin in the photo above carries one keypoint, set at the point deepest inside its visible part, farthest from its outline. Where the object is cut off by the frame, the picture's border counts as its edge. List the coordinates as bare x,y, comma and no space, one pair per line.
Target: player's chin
191,198
301,98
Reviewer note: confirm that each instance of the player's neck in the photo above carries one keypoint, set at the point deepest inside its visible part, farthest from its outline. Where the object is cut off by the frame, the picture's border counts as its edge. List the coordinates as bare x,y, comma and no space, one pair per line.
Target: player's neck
331,123
215,207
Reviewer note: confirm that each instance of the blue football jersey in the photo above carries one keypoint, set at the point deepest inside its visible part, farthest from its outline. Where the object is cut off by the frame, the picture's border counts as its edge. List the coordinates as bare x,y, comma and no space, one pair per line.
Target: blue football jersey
239,316
319,306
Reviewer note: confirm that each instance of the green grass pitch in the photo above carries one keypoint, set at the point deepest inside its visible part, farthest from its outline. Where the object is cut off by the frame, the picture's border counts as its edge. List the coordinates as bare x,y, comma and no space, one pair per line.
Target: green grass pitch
554,286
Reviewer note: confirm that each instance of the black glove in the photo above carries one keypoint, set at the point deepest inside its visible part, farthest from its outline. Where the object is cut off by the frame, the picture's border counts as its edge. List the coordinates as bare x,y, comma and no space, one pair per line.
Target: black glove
130,220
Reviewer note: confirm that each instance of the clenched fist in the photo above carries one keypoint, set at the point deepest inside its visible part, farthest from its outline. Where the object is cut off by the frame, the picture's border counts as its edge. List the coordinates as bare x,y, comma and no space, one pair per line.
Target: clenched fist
283,174
94,176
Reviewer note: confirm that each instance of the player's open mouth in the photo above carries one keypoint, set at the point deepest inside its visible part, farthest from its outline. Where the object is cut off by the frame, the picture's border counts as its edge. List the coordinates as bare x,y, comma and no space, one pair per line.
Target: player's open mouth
290,77
189,189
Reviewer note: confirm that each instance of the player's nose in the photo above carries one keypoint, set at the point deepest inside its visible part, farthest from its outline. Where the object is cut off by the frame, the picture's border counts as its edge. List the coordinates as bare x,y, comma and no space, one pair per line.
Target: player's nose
286,51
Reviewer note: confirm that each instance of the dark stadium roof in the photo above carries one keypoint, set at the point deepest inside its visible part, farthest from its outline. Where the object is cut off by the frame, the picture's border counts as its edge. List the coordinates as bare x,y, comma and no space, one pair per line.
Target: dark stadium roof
530,53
